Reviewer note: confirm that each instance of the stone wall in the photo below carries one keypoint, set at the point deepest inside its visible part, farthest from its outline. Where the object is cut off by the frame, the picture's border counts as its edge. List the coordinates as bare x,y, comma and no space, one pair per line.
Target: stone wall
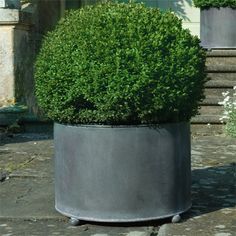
14,49
7,94
17,53
24,56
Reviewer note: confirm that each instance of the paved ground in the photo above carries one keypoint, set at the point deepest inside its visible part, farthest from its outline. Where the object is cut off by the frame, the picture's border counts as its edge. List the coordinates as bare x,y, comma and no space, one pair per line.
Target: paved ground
27,198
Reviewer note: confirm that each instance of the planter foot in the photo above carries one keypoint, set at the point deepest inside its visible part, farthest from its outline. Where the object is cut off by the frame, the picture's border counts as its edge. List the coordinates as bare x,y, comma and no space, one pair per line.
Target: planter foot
74,221
176,219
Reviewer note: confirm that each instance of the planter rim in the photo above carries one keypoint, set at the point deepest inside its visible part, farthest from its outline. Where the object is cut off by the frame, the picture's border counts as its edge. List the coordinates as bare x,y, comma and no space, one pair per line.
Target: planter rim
121,126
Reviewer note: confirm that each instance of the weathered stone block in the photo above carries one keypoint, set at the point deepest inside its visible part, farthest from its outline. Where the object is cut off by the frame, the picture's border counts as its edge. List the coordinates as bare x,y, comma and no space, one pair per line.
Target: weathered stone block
9,15
14,16
7,93
16,64
3,3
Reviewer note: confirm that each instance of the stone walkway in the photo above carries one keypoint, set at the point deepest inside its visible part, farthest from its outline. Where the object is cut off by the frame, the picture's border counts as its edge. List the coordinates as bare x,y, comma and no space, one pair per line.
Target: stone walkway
27,197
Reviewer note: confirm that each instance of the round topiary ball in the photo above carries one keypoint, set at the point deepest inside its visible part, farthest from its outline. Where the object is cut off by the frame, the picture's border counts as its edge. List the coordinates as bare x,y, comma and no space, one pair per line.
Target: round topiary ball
122,63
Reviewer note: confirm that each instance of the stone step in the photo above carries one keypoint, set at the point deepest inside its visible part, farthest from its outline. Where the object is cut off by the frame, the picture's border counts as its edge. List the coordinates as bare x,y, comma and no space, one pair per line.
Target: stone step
225,76
207,129
220,68
211,110
214,97
211,100
206,119
221,53
221,61
217,92
224,83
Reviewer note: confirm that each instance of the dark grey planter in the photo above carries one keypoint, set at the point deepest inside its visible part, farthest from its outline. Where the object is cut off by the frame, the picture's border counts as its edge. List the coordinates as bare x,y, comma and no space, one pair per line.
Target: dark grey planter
122,173
218,30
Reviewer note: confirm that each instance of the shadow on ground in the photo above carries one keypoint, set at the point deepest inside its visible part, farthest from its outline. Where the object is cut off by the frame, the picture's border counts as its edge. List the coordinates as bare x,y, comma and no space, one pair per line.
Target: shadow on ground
8,137
213,189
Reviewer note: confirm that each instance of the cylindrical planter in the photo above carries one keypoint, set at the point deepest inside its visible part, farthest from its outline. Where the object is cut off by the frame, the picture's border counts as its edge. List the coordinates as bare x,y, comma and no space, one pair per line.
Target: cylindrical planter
122,173
218,28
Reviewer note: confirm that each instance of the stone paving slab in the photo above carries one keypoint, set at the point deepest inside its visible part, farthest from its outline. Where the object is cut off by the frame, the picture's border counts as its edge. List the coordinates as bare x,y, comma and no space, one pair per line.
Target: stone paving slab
217,223
49,227
27,196
27,155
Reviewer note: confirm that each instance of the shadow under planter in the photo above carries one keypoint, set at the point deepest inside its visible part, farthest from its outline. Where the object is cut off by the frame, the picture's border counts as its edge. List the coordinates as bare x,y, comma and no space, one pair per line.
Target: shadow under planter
122,173
218,28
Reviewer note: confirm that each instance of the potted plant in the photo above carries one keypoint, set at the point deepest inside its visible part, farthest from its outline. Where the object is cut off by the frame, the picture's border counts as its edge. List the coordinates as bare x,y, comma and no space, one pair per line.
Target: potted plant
121,81
217,23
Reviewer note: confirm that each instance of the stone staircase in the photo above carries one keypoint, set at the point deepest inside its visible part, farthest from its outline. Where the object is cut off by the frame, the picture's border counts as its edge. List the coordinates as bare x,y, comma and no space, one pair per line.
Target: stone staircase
221,69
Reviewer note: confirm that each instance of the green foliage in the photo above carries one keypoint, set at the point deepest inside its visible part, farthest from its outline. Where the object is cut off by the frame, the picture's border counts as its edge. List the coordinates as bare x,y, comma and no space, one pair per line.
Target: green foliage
120,64
214,3
229,115
231,125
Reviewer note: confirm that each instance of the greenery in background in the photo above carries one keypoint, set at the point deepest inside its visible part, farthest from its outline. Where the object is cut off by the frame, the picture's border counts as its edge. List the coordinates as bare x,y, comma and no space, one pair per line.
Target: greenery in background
120,64
214,3
229,115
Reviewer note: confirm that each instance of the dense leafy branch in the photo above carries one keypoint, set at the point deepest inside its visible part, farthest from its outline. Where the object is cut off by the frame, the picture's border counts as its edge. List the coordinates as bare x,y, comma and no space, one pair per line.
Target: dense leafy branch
215,3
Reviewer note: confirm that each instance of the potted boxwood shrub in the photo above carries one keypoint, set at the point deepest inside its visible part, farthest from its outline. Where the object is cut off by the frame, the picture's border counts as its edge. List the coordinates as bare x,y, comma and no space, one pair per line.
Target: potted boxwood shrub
217,23
121,81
